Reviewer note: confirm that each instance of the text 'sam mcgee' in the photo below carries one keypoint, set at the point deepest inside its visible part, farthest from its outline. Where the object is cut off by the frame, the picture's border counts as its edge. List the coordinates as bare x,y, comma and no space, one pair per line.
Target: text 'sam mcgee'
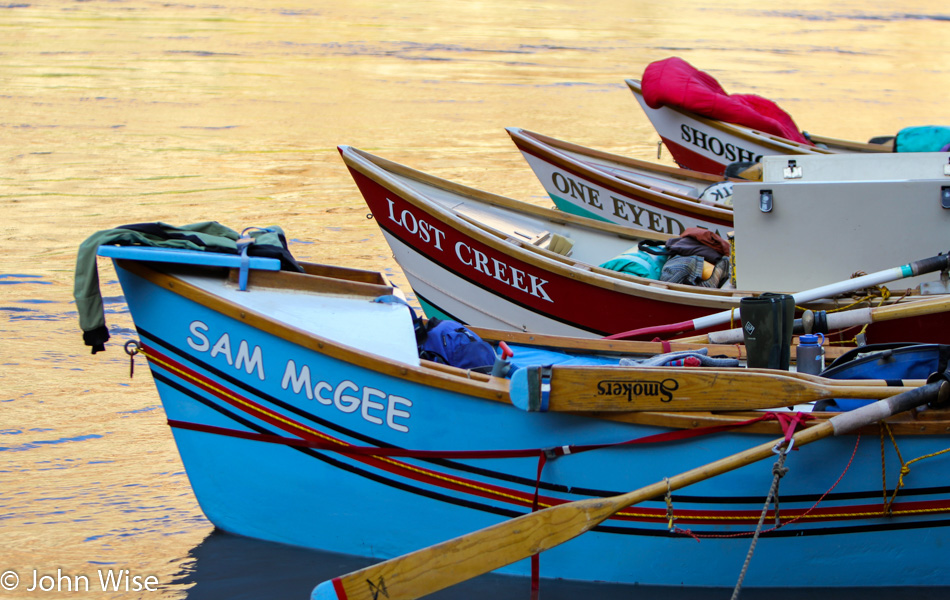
373,405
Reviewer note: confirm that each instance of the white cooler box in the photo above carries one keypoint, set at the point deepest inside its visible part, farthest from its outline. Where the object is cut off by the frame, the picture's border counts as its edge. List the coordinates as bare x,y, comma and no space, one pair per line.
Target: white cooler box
816,220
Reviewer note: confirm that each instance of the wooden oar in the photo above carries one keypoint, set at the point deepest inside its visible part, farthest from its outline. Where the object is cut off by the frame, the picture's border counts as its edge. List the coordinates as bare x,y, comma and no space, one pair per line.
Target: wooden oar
843,319
437,567
919,267
846,383
678,389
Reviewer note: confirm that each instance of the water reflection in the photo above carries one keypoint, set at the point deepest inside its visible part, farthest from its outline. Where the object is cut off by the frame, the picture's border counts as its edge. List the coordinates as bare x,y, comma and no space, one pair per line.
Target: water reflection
238,568
135,111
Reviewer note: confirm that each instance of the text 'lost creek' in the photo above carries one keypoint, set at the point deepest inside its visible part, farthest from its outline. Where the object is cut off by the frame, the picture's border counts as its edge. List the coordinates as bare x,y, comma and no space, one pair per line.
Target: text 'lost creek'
471,257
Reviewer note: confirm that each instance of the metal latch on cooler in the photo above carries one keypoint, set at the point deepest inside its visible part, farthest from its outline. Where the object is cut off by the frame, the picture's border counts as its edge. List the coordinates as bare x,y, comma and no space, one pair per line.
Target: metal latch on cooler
792,171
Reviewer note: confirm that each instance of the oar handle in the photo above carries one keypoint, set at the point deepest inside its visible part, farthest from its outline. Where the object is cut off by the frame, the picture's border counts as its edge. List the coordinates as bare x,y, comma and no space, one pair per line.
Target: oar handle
841,320
928,265
936,388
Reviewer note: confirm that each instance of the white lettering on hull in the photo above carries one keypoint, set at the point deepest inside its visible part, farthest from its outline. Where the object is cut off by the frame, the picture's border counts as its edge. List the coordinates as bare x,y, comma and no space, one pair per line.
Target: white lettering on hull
709,143
632,212
471,257
349,397
251,361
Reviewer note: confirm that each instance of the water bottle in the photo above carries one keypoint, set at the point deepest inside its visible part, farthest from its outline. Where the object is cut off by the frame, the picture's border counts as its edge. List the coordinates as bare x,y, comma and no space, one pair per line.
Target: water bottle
811,354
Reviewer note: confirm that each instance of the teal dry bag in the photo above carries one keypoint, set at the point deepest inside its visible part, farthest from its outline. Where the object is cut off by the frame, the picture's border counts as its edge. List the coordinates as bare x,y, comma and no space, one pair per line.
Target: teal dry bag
644,260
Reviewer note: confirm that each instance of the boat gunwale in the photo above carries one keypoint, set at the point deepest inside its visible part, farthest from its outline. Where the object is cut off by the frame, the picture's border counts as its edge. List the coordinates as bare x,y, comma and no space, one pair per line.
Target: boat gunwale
672,201
834,144
383,172
476,384
461,381
676,293
850,145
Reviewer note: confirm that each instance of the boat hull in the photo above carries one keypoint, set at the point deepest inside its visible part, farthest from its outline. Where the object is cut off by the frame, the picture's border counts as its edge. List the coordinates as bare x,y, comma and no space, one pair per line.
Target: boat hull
617,190
471,275
710,146
318,464
455,271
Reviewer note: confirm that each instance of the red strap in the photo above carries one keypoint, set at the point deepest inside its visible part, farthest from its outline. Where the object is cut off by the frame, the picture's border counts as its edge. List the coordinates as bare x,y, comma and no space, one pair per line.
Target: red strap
790,422
669,436
667,347
536,558
357,450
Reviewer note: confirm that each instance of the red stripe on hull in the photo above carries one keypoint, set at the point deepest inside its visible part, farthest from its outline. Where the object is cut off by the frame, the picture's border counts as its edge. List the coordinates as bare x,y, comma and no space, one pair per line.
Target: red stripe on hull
689,159
599,310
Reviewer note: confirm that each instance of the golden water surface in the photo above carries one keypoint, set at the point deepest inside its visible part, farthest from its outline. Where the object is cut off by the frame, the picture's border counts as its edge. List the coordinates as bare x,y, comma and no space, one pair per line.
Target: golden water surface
124,111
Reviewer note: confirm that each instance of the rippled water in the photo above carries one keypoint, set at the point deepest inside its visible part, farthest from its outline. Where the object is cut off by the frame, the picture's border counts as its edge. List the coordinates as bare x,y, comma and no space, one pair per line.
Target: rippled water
122,111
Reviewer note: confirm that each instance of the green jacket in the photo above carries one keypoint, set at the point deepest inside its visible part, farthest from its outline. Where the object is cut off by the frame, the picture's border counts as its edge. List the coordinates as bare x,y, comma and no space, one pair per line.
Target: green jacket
208,236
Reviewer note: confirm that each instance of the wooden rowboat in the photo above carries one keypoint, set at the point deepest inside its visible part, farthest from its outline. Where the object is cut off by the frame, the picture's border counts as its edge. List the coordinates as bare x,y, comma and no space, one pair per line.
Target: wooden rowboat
491,261
304,415
709,145
608,187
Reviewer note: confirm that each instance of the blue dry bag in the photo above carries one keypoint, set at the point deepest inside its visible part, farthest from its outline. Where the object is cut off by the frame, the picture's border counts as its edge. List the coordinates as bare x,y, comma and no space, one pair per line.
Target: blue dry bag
893,361
451,343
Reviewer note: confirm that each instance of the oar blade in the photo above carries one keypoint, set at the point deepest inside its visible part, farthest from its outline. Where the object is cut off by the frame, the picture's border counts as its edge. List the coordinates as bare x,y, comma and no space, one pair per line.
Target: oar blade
682,389
465,557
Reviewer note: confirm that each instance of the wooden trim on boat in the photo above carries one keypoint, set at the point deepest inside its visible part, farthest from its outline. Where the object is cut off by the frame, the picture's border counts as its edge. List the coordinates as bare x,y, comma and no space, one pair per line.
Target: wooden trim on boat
553,216
779,144
604,346
851,145
674,172
832,144
627,347
698,297
466,373
344,273
307,282
479,385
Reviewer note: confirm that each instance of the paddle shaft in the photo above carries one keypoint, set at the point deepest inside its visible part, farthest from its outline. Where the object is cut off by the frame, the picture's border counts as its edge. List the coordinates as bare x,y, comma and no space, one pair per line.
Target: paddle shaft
606,389
434,568
919,267
847,318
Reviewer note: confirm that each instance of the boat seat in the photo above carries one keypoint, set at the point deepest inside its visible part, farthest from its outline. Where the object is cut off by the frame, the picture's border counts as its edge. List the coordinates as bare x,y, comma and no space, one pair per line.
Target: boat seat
555,242
527,230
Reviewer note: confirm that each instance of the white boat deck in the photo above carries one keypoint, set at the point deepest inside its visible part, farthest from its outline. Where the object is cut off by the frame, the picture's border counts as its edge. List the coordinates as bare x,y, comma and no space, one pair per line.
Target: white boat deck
385,328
